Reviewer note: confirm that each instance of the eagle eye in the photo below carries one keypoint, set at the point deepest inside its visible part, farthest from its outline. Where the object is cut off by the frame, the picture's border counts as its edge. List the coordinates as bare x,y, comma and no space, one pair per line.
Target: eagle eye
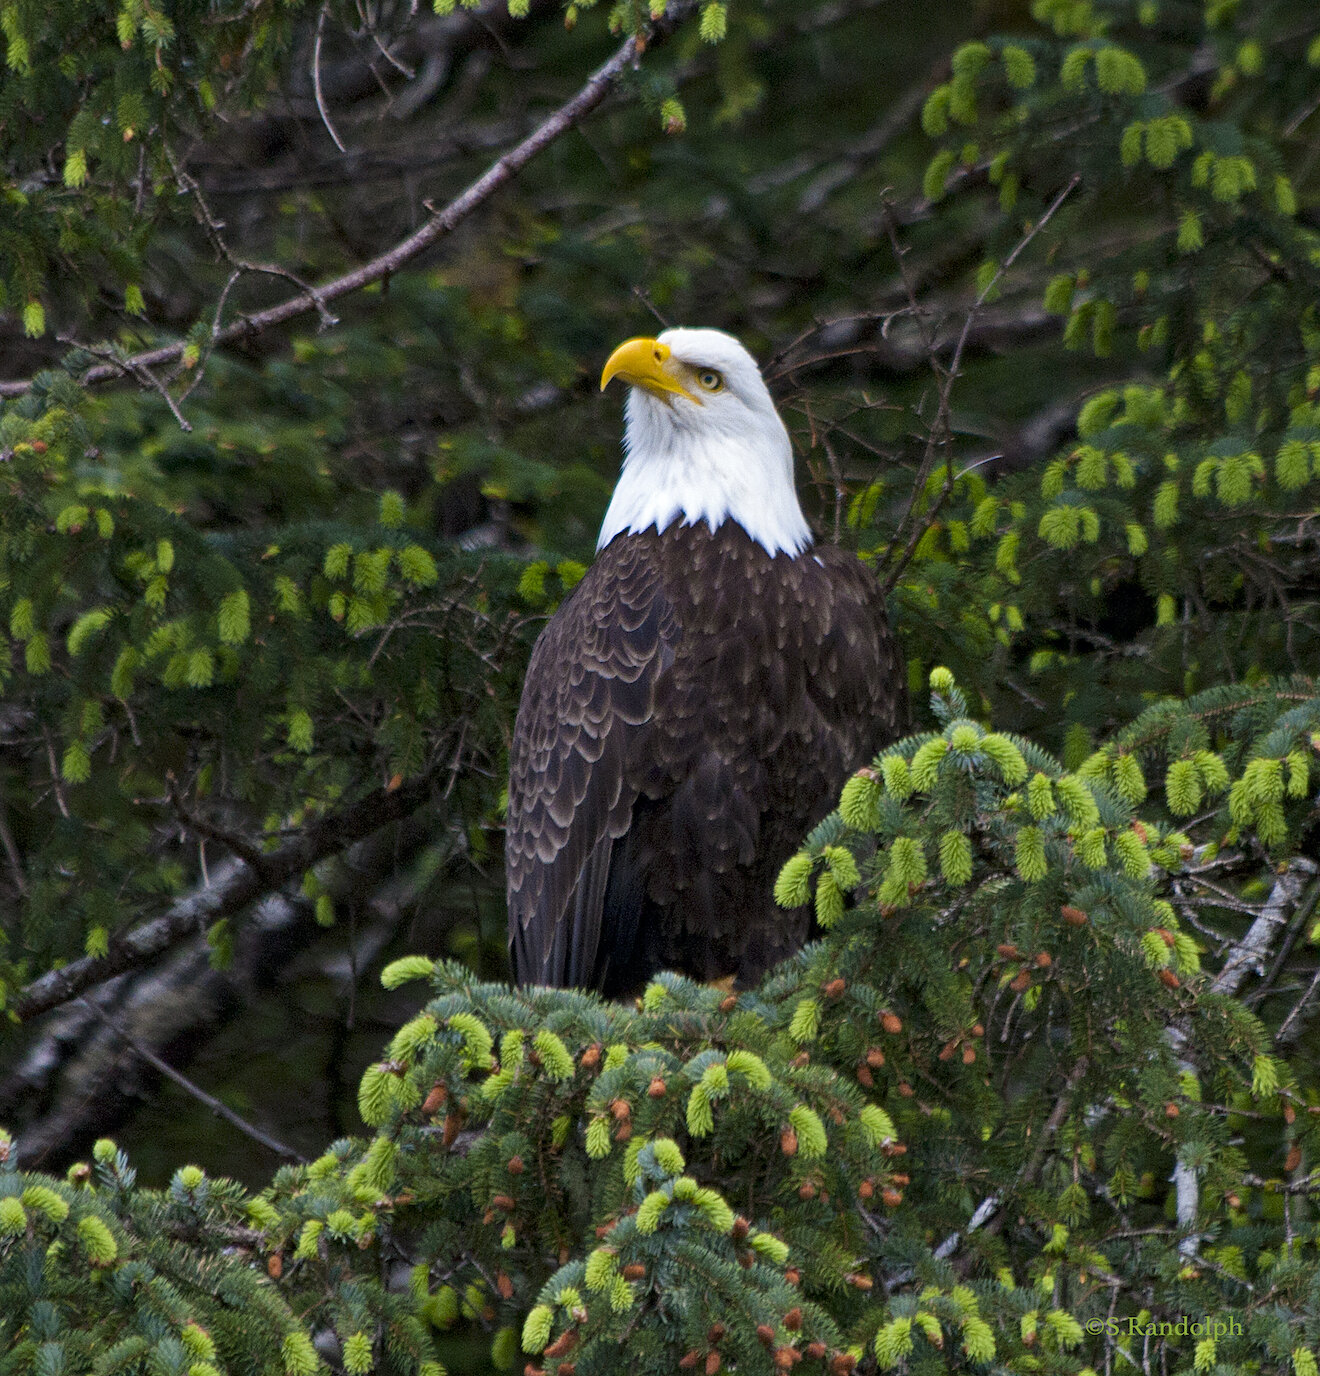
710,380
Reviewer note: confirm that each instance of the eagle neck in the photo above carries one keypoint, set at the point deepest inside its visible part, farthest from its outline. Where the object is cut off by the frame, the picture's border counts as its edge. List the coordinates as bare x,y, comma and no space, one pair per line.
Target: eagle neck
679,474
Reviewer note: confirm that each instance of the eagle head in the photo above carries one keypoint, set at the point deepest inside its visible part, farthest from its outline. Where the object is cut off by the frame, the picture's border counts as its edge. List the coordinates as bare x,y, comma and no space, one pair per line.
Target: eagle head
702,442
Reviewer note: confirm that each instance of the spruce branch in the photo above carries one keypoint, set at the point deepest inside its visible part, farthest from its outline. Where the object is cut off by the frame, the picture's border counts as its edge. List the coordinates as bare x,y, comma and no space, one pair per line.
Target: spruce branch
234,888
1029,1171
74,1076
442,222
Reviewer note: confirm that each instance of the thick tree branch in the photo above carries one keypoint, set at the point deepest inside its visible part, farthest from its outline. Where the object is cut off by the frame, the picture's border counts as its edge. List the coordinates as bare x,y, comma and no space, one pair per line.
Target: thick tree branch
441,223
75,1080
233,888
1248,954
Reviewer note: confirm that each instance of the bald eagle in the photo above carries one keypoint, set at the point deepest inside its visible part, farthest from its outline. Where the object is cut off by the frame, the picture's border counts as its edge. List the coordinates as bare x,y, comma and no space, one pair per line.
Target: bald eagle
697,702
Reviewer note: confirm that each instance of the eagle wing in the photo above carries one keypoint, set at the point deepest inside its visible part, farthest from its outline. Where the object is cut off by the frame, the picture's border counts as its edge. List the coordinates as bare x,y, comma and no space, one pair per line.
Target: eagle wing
590,691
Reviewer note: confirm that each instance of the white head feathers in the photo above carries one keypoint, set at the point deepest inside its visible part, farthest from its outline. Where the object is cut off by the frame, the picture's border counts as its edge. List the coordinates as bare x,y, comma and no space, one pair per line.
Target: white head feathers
703,442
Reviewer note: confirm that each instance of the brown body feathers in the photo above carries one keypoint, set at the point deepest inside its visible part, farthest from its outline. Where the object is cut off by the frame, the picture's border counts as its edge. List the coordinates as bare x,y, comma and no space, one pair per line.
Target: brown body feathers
689,713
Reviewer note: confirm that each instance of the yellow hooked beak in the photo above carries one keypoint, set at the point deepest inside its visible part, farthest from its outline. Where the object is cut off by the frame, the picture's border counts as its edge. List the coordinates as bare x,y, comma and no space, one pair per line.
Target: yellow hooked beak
645,363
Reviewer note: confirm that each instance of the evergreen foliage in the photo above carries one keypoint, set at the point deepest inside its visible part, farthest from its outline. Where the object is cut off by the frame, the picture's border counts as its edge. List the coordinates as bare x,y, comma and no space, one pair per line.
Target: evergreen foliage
898,1150
1190,492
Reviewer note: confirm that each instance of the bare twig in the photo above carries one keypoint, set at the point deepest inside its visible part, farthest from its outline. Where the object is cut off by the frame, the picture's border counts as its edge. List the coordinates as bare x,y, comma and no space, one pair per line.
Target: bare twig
316,81
134,368
938,435
214,229
644,297
55,774
219,1109
1301,117
1292,1024
1307,1184
1057,1115
401,67
593,92
249,853
988,1211
11,851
